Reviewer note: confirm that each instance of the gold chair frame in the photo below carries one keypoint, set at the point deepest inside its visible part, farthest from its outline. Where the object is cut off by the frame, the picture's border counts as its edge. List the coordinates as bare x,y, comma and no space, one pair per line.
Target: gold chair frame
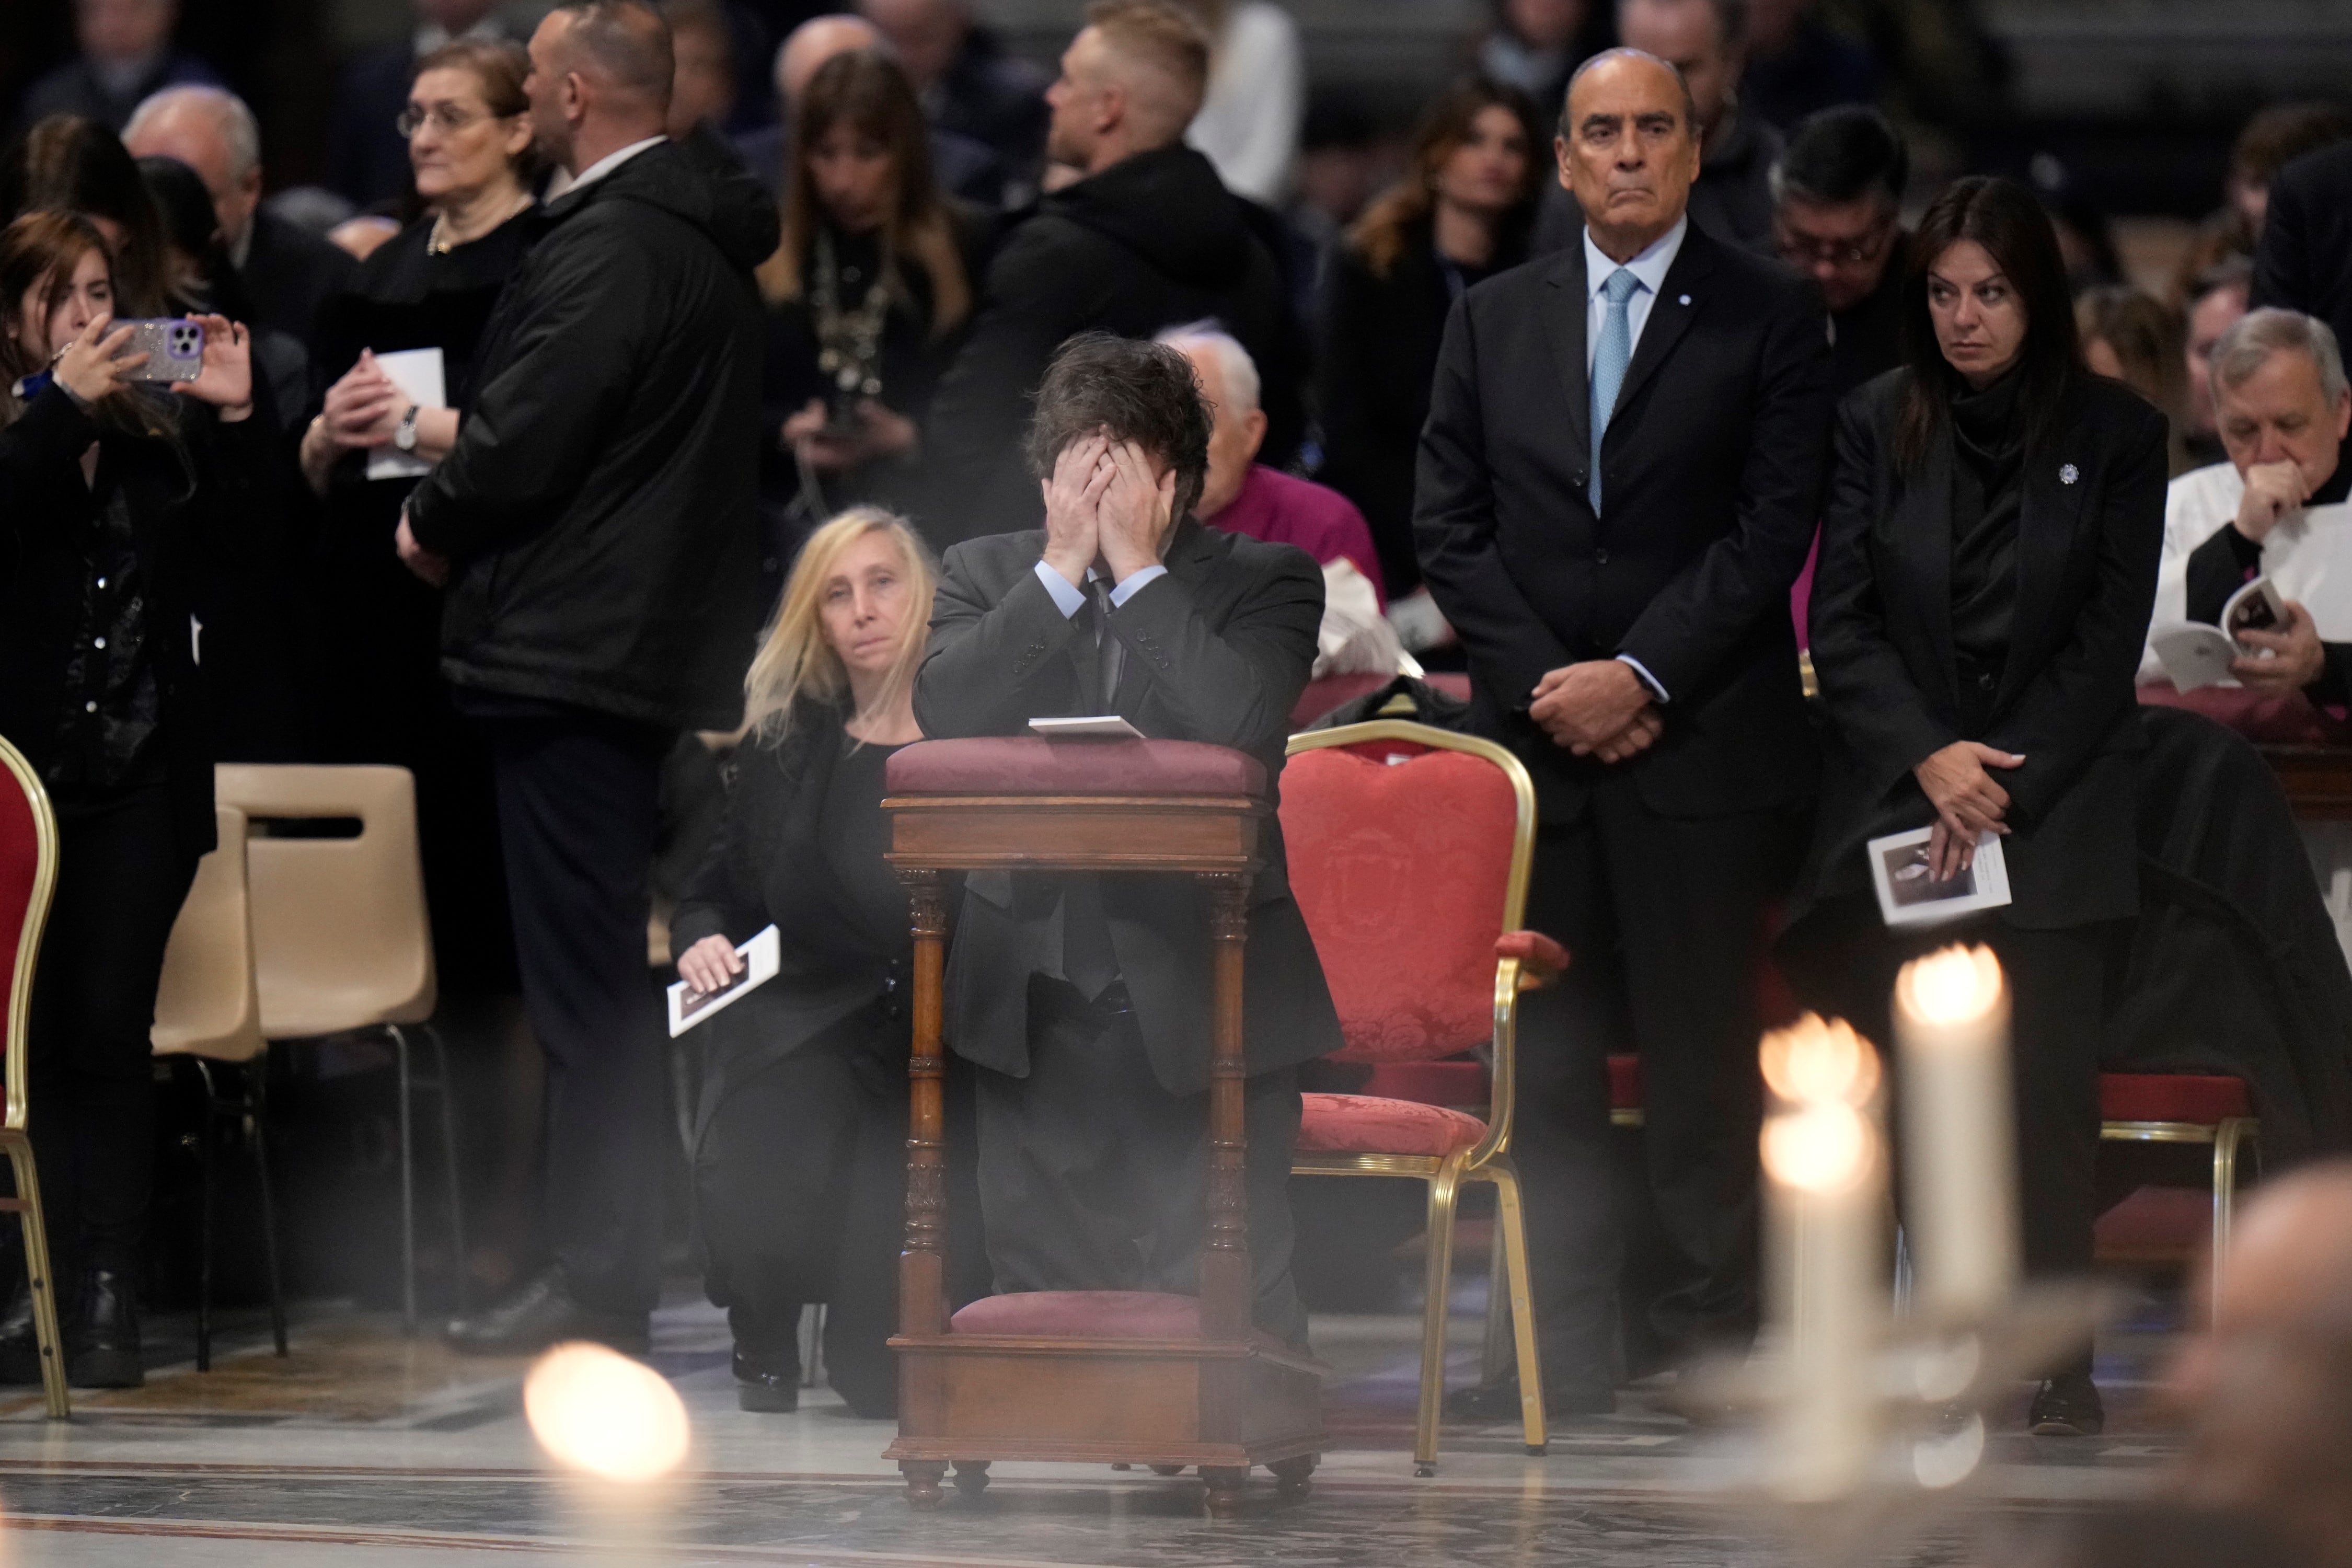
2227,1136
1490,1161
14,1137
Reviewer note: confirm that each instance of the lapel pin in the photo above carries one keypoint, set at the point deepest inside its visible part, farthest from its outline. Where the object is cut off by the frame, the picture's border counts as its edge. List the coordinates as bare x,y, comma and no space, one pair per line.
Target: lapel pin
1683,300
2069,474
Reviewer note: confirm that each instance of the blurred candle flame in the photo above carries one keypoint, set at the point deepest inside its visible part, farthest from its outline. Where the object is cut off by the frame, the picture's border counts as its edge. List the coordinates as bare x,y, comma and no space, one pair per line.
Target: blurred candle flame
1815,1061
1955,986
1821,1148
594,1409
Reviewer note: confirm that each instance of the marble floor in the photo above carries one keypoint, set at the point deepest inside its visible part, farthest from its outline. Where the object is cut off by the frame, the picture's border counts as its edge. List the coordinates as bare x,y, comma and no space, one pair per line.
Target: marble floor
395,1453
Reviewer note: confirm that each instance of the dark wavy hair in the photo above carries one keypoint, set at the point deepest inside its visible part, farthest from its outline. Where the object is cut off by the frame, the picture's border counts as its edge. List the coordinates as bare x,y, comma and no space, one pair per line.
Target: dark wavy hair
2004,218
1382,233
66,164
1141,391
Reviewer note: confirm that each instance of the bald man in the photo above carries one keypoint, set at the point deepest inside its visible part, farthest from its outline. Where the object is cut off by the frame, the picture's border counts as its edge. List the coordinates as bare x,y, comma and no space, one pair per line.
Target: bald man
960,165
1618,482
1147,237
288,273
596,529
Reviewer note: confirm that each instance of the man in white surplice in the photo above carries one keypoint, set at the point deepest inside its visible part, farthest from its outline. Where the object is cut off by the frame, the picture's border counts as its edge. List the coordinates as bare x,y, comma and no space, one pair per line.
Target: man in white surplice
2277,508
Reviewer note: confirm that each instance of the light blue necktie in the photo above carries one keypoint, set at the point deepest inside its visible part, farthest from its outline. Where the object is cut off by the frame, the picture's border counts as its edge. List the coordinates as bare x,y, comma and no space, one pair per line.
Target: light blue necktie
1608,361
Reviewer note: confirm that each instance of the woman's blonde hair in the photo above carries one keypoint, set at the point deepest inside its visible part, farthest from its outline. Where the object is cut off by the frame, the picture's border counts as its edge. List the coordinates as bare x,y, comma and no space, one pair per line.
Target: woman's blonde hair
795,660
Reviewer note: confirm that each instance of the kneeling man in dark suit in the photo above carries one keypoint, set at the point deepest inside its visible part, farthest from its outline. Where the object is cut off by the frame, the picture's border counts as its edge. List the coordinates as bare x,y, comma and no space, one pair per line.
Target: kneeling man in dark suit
1086,998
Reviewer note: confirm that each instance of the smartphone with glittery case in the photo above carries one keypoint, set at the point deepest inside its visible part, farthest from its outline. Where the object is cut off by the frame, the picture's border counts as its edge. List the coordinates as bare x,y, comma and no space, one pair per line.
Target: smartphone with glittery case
175,350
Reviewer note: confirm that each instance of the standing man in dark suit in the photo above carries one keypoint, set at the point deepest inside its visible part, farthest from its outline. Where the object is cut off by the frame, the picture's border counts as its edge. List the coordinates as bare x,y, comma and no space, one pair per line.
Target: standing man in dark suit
1618,483
1084,999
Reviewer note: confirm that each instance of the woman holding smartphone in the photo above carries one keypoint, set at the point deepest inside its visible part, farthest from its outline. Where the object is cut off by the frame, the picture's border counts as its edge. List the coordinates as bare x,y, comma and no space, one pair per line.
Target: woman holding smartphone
111,490
799,1152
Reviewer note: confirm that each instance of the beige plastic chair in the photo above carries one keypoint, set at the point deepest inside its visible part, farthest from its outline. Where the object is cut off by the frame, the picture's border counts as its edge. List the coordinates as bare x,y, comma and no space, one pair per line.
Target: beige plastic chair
208,1009
342,943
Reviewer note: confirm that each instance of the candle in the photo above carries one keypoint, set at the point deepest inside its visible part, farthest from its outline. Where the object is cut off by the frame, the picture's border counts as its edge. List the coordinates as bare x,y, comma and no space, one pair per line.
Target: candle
1951,1014
1825,1170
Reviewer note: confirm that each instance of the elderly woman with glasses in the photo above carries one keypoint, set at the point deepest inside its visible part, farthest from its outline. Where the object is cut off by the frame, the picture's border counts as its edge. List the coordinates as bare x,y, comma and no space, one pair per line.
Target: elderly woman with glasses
373,689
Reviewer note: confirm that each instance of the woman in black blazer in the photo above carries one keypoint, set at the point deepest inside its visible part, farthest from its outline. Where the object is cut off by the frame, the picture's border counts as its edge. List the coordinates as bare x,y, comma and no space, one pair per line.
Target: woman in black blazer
1988,567
1461,214
113,497
799,1139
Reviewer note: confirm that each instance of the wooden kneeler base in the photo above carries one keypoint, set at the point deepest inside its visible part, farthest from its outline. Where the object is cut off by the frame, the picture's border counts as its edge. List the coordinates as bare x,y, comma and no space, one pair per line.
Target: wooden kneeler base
1223,1401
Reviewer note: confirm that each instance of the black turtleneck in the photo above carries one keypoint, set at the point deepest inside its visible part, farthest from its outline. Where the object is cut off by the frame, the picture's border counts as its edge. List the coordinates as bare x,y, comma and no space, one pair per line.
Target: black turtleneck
1987,469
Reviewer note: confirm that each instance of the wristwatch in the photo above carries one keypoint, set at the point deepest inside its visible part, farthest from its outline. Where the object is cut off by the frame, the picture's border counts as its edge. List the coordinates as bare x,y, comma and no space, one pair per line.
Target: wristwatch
405,437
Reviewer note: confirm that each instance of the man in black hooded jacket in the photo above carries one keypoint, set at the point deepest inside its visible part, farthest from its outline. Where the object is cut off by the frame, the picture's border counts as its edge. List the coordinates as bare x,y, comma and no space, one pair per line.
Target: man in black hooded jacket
1150,238
595,526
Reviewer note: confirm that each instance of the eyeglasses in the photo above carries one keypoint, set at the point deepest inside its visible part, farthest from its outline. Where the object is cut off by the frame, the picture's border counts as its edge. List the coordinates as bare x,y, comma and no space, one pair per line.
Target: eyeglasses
1799,250
448,118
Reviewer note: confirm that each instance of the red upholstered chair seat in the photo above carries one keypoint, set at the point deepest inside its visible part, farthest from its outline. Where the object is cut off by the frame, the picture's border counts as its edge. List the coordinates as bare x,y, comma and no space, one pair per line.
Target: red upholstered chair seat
2201,1098
2266,718
1429,1083
1361,1124
1626,1083
1029,765
1089,1315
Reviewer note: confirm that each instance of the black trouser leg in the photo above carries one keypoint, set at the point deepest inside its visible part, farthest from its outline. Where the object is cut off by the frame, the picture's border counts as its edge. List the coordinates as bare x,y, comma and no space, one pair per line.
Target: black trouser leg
1664,917
1093,1176
577,819
122,879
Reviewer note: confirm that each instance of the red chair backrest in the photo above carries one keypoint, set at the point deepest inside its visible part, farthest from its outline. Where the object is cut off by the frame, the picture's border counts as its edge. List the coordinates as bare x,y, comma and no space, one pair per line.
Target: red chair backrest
27,871
1400,856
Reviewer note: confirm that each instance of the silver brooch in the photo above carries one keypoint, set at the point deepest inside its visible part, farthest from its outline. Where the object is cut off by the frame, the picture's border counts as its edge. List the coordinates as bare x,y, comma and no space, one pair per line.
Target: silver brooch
1683,300
2069,474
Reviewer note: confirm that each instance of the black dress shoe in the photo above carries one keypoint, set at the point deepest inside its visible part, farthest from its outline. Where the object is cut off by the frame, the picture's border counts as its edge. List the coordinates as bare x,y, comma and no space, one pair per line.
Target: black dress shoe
769,1384
103,1350
2067,1405
20,1348
1499,1401
541,1313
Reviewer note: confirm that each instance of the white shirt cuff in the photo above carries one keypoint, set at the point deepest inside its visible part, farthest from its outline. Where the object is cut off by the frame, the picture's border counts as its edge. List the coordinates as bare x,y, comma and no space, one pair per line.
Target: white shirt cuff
1134,585
1648,679
1066,597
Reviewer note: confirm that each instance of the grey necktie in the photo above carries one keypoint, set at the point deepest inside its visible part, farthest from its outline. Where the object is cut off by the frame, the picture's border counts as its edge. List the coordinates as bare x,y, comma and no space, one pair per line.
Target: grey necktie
1088,960
1110,653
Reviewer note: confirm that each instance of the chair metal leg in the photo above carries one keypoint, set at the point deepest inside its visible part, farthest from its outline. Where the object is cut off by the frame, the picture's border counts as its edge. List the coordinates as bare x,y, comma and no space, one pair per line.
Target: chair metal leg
1511,1227
1498,1332
47,1335
458,1254
2232,1130
206,1136
407,1183
256,1077
1443,1189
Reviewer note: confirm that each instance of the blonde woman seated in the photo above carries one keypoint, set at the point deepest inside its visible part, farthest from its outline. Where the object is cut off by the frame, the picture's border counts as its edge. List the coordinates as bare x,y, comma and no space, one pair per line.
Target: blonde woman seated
800,1135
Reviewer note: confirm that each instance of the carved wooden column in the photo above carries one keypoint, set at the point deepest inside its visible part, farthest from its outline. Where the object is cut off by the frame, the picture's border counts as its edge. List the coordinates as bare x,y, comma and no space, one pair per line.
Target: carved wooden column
922,1266
1228,1291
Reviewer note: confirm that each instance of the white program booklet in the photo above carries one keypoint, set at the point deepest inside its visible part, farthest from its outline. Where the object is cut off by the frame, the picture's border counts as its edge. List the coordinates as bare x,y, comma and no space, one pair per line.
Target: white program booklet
2196,655
418,374
762,957
1908,894
1100,726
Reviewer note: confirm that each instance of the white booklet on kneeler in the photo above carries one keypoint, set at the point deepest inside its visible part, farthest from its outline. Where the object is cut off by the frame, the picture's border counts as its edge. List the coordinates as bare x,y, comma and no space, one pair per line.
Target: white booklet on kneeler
761,958
1908,894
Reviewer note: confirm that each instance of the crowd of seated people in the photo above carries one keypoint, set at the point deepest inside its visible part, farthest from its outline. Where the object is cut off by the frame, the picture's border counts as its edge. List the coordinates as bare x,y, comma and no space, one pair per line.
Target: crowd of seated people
868,244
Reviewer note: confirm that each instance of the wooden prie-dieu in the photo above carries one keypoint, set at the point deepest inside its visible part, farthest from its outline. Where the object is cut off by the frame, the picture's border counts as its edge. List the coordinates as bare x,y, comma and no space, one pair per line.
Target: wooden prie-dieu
997,1383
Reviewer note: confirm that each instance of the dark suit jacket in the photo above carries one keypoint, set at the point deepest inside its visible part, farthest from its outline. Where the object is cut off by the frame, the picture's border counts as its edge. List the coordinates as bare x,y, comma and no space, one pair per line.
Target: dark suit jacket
1881,647
290,274
1712,475
1217,650
2304,260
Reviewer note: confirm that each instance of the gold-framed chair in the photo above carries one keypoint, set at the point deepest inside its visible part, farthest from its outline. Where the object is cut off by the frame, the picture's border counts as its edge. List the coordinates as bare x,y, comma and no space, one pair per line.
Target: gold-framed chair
2186,1107
28,877
1409,850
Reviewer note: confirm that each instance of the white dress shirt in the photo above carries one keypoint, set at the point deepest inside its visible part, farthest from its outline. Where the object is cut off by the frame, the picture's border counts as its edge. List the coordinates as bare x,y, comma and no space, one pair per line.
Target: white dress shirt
1649,271
1069,600
562,186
